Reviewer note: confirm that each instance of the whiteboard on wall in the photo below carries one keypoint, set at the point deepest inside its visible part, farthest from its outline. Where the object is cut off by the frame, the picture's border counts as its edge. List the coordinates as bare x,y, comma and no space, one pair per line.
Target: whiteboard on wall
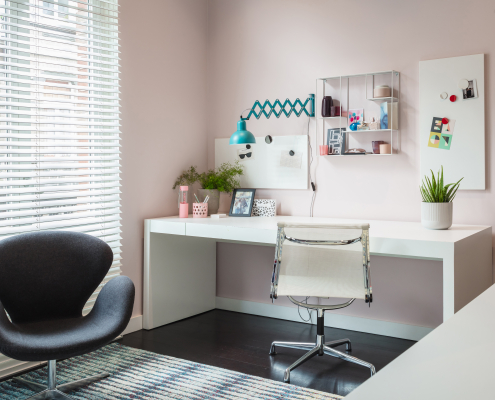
269,166
462,153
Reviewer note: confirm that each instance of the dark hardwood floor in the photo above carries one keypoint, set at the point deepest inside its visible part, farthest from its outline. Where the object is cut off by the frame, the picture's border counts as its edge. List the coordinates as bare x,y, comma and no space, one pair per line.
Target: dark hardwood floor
240,342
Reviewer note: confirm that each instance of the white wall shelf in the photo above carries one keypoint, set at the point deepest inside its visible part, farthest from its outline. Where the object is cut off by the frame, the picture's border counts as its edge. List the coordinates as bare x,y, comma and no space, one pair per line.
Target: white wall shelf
355,92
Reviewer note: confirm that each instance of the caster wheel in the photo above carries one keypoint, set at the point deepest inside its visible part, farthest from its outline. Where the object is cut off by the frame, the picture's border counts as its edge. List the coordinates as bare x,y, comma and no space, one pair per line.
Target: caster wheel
287,376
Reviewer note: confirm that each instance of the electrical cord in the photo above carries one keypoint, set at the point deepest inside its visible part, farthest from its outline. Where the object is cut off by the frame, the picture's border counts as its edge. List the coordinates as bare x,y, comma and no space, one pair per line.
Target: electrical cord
313,184
313,197
310,316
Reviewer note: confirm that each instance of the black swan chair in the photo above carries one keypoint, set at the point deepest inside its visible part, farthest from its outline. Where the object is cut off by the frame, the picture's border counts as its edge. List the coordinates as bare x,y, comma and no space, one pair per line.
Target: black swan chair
45,280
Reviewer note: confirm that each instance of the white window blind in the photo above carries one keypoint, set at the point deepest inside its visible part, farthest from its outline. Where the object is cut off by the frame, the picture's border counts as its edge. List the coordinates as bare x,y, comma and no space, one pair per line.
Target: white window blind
59,119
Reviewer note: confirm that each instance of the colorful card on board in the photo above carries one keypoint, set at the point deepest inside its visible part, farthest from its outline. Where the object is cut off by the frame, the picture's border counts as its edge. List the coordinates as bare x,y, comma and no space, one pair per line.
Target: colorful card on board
434,140
449,127
436,125
441,133
445,141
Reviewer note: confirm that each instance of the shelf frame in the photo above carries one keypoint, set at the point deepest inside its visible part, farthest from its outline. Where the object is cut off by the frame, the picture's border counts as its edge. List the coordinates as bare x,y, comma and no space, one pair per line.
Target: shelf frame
343,120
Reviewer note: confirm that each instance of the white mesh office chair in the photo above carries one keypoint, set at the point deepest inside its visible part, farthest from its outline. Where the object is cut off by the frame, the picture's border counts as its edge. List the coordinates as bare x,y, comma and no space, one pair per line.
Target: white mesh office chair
321,260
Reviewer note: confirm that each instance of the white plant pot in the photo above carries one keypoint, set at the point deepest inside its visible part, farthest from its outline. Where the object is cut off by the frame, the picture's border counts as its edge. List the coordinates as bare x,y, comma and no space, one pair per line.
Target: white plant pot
437,215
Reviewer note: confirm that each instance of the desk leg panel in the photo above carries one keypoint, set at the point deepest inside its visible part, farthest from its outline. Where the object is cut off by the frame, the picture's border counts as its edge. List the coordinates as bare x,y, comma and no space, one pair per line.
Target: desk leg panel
180,278
473,267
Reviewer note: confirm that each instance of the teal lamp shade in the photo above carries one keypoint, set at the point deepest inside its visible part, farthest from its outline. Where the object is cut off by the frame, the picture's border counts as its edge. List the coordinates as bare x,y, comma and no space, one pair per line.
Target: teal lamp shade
241,135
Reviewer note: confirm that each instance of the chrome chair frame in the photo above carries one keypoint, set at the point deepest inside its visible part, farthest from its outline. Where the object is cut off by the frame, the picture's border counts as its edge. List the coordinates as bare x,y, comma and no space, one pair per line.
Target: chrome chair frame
52,391
320,347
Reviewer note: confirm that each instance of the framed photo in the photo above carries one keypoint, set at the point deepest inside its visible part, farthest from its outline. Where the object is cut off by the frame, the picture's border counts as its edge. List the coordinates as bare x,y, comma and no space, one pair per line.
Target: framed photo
471,92
336,140
242,203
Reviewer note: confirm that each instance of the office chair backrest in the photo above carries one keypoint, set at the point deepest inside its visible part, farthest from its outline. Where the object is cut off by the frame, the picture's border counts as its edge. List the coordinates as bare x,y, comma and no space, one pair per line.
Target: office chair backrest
51,274
321,260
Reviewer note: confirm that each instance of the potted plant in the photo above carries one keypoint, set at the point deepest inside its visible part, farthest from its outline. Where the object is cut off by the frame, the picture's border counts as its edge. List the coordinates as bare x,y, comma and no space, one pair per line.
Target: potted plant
187,178
223,179
437,205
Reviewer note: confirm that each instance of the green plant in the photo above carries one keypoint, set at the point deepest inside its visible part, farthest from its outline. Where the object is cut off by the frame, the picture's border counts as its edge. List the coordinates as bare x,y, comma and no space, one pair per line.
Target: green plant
225,178
188,177
434,191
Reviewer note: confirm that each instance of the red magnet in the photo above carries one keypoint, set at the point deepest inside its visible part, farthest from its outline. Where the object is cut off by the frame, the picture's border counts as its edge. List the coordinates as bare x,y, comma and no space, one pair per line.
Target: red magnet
445,121
453,98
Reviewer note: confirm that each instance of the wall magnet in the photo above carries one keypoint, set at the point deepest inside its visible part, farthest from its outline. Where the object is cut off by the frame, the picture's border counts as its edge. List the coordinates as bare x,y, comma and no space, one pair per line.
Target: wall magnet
445,121
453,98
291,153
444,95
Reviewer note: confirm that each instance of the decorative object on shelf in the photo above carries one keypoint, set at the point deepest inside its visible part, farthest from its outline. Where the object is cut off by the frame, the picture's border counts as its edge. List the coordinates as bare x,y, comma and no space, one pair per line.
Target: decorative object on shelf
200,210
375,145
183,203
264,208
353,126
335,111
441,132
242,202
389,115
324,149
385,148
444,95
471,91
437,205
352,152
374,124
355,117
243,136
326,106
364,126
381,91
336,141
453,98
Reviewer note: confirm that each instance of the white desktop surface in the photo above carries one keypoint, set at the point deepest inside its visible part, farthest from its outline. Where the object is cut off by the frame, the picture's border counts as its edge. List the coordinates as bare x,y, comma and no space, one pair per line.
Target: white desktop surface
180,263
454,362
378,229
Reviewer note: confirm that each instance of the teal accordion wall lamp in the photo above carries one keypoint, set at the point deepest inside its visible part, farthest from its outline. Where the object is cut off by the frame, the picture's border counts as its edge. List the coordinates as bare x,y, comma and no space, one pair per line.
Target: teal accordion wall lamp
243,136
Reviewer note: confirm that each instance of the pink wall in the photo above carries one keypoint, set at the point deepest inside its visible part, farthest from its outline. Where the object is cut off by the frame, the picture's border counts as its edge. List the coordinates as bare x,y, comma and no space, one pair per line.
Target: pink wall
268,49
163,65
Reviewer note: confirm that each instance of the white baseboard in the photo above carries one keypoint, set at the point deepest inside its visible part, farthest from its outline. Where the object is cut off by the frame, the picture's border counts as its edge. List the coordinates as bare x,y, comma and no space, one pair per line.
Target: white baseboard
377,327
135,324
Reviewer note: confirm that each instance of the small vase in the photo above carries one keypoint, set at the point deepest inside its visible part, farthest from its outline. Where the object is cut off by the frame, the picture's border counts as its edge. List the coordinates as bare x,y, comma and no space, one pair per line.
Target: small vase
437,215
213,201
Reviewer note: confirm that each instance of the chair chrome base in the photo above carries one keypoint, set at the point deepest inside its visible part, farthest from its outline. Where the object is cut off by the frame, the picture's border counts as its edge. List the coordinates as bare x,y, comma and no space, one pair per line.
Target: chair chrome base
319,348
52,391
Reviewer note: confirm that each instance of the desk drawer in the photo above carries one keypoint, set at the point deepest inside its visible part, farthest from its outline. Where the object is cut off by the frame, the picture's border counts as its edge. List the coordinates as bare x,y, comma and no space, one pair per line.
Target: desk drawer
163,226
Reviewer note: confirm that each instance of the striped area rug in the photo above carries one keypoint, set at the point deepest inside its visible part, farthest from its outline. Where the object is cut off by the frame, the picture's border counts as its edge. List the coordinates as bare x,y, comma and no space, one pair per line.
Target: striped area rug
138,374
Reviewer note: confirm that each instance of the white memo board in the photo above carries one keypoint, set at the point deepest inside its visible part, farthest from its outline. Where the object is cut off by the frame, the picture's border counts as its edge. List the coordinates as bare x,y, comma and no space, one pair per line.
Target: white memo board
466,155
270,165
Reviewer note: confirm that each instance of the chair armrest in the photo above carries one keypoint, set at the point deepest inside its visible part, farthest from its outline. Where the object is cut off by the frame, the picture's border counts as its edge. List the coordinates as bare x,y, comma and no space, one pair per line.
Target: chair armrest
114,303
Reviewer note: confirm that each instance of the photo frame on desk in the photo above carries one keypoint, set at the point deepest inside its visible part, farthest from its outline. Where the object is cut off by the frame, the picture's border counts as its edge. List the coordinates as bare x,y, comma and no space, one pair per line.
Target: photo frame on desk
242,203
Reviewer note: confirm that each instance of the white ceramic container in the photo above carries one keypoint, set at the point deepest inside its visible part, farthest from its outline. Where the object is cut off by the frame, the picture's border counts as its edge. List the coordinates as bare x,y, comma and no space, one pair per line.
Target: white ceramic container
437,215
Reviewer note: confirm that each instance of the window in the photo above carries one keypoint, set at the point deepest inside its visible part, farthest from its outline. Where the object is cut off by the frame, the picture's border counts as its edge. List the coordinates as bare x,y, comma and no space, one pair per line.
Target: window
59,120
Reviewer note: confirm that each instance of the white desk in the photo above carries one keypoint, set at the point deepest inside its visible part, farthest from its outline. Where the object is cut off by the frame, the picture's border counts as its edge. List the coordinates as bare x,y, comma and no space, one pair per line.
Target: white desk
454,362
180,258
